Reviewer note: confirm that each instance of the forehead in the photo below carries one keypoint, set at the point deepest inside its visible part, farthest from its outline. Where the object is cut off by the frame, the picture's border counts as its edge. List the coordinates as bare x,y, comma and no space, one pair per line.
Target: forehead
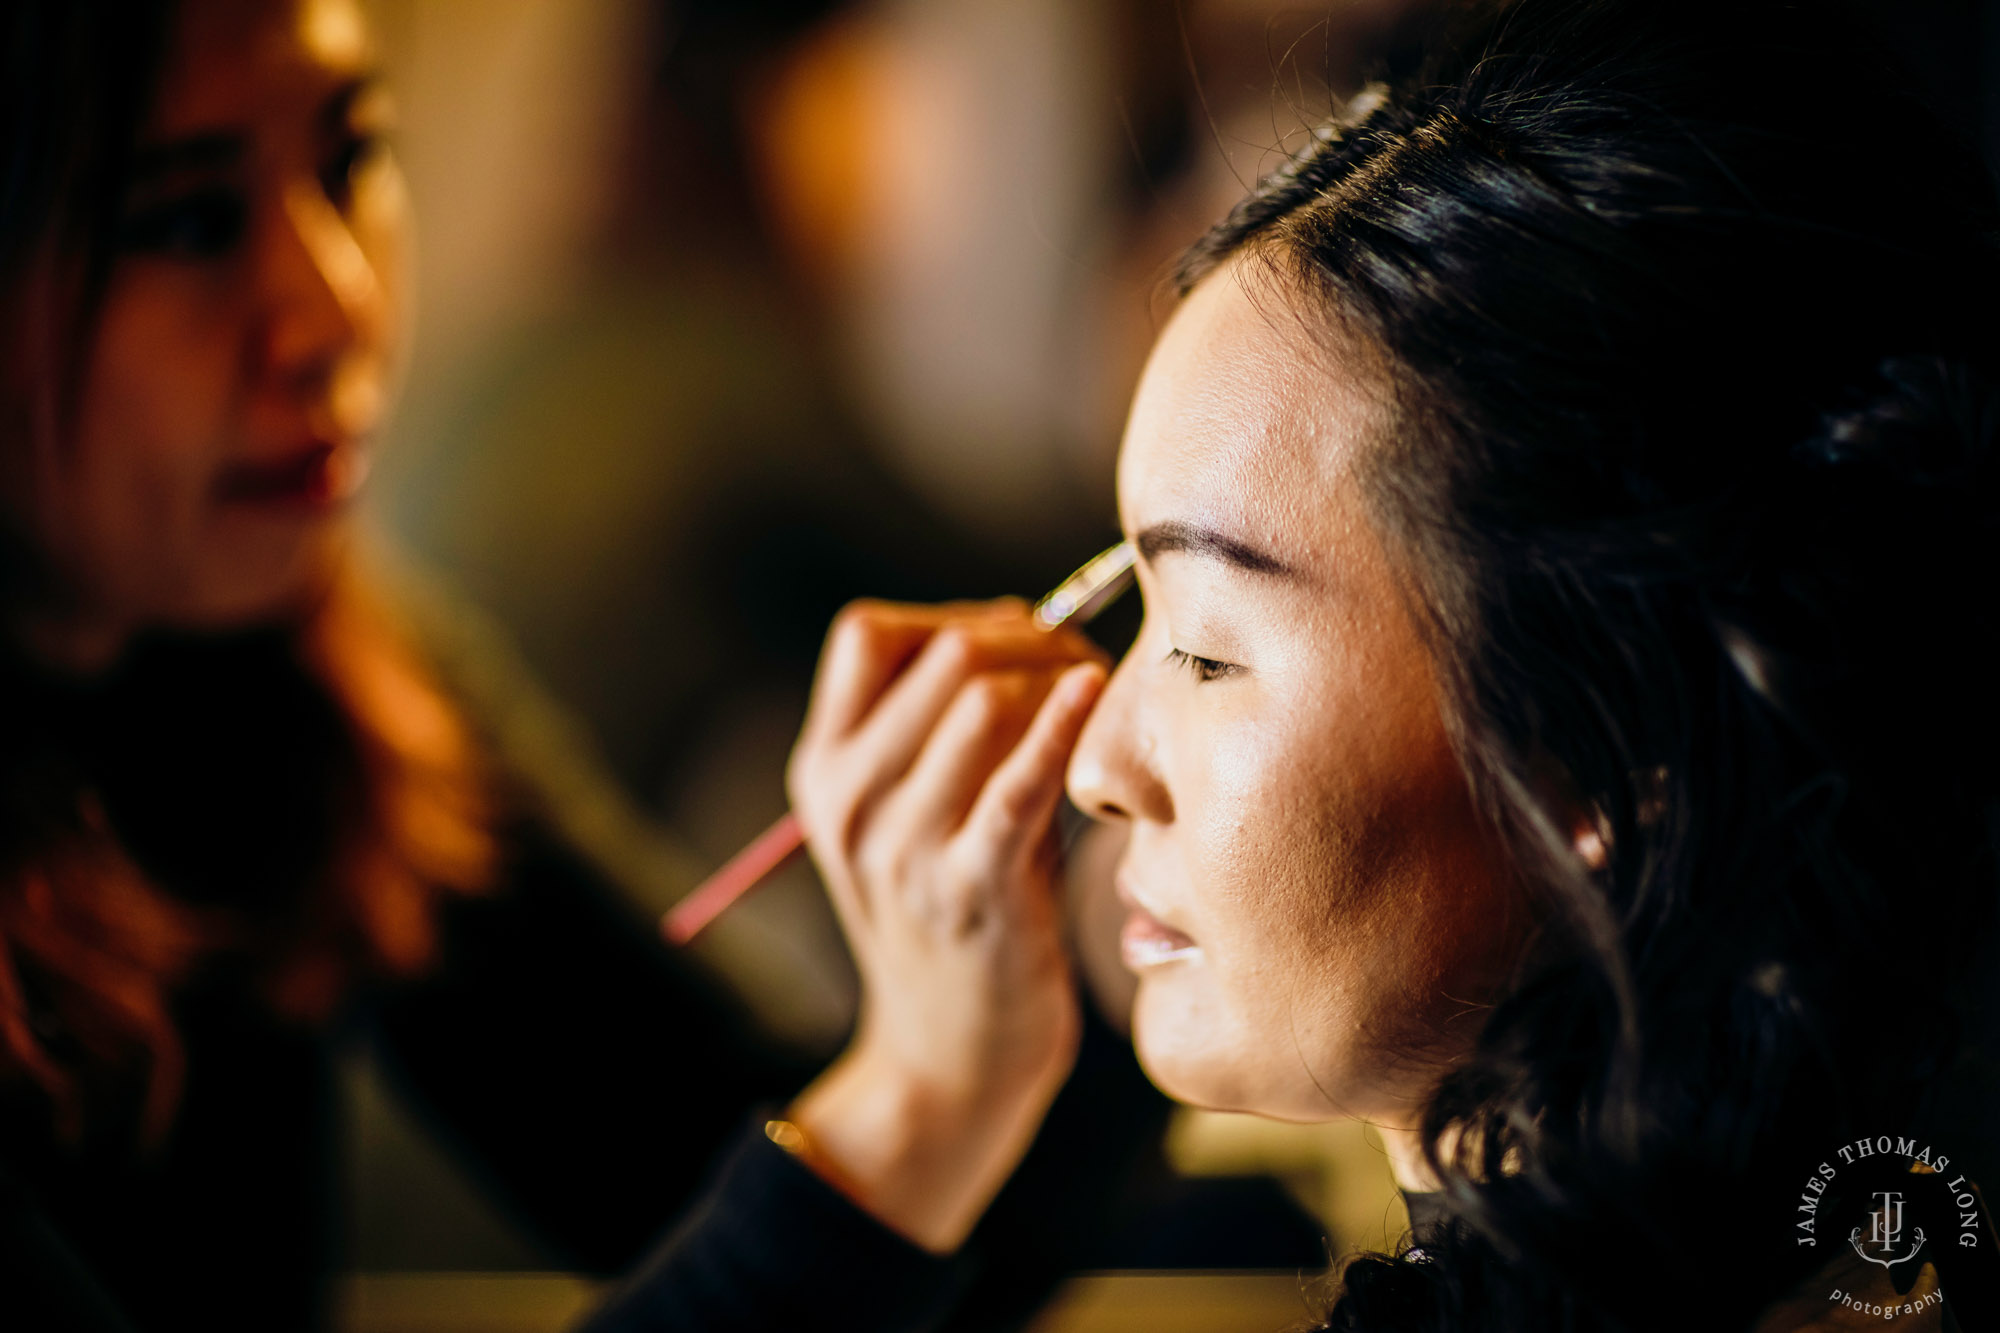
1248,416
233,60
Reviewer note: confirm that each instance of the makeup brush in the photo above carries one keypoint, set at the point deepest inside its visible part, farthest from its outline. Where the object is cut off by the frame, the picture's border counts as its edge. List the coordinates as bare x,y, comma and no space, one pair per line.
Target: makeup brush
1077,598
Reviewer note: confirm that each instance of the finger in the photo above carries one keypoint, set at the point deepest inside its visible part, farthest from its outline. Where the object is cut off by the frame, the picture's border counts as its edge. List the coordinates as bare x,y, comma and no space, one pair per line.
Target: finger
832,784
1012,813
988,716
882,749
867,645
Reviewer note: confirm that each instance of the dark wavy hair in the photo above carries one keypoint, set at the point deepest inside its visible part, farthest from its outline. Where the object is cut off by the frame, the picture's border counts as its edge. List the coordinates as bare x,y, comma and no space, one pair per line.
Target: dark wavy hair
1687,318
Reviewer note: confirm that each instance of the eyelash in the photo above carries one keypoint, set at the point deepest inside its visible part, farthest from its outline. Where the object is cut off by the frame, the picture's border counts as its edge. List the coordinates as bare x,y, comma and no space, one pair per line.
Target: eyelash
208,223
1205,669
353,158
205,224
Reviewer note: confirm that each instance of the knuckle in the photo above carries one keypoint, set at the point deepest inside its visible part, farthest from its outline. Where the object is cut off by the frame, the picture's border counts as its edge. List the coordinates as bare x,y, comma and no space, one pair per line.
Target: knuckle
956,648
801,779
965,899
864,612
1011,612
920,904
883,865
1013,805
827,807
967,914
829,827
859,623
809,775
970,863
988,699
1004,812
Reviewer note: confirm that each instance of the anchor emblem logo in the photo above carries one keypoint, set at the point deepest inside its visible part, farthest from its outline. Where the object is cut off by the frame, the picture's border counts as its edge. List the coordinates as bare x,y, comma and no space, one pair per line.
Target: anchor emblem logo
1885,1233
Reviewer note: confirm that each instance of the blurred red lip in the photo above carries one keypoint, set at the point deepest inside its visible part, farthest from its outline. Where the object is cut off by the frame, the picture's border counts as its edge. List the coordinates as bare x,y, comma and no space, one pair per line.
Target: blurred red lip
318,476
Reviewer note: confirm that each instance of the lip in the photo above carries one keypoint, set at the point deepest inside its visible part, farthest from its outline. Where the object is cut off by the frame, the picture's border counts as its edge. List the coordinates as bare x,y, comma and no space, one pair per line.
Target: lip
1146,941
318,475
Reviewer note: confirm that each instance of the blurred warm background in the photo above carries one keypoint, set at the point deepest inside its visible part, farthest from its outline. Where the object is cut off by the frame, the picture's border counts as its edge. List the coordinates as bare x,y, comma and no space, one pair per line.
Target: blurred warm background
731,310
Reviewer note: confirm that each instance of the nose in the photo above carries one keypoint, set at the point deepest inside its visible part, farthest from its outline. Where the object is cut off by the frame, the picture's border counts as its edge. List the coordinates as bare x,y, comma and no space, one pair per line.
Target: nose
1112,772
319,291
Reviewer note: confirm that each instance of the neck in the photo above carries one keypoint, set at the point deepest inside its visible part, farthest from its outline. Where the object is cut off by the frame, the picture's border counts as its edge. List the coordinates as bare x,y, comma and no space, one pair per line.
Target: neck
1405,1151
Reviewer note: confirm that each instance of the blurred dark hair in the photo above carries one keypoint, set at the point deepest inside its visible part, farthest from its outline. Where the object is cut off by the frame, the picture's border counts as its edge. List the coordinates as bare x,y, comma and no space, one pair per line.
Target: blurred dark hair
75,81
298,796
1686,316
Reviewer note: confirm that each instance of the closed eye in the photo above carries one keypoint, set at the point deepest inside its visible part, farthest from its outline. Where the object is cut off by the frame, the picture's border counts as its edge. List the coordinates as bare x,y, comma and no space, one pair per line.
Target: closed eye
352,157
200,224
1204,668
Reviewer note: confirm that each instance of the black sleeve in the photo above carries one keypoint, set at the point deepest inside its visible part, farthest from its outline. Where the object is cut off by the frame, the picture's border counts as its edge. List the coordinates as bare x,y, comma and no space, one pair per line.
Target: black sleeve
46,1286
585,1072
772,1246
592,1078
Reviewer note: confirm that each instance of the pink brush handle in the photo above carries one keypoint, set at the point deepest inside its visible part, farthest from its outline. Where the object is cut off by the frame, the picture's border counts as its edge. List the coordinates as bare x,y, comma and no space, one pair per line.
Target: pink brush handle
773,847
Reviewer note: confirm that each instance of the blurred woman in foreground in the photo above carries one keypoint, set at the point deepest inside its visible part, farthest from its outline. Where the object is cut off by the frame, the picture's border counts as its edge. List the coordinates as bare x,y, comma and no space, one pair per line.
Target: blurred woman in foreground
238,805
242,818
1562,731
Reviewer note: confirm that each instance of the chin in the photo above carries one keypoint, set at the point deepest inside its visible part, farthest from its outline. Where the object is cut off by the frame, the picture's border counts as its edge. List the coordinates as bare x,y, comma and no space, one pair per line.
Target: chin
1186,1051
262,586
1199,1055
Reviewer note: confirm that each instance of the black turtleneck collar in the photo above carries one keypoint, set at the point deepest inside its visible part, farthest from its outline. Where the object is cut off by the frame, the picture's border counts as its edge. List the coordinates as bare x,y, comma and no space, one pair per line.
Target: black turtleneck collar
1428,1213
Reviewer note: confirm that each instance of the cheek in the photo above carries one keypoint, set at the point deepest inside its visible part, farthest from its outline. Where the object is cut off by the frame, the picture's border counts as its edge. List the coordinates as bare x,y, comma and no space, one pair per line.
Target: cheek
1342,886
1283,819
131,491
165,363
1262,856
157,407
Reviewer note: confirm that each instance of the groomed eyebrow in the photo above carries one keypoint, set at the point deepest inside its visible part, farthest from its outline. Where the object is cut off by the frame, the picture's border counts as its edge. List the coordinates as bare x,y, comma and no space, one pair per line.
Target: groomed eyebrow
1193,539
214,150
196,152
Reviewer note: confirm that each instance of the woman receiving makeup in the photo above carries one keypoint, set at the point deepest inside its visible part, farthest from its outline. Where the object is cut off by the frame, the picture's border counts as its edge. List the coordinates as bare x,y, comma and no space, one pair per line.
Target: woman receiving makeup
1562,727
